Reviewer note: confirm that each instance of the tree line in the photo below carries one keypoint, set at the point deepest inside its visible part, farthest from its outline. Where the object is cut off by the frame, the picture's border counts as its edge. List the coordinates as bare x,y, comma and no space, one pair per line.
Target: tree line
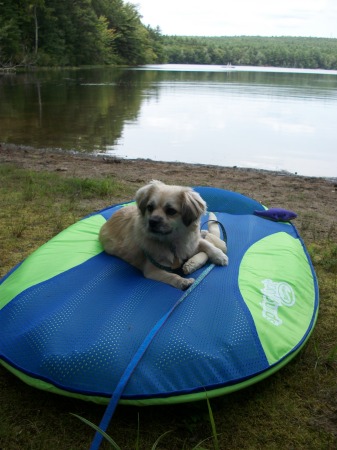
73,33
299,52
94,32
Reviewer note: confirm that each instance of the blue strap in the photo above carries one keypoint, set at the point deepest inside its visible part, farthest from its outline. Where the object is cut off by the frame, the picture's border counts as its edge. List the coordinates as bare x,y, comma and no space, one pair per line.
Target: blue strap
109,412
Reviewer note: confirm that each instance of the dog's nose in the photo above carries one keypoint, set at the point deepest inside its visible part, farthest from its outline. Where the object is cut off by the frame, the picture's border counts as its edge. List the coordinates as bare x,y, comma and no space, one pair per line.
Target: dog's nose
155,222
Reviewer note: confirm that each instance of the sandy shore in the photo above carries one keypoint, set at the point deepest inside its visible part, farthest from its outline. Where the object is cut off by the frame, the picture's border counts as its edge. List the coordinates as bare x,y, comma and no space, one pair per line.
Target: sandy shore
313,199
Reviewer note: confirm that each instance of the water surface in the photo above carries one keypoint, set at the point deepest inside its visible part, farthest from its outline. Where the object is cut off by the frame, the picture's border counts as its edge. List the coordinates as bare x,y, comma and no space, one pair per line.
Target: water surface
275,119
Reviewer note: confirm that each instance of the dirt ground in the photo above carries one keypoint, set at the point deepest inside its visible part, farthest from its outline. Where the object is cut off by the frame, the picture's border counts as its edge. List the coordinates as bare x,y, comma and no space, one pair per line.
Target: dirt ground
313,199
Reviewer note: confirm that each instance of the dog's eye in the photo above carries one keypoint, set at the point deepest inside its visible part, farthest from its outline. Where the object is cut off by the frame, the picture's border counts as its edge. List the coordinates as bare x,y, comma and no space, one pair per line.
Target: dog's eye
171,211
150,208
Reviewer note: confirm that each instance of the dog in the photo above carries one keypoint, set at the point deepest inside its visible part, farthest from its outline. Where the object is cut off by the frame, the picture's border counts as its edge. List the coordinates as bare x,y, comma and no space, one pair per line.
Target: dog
161,233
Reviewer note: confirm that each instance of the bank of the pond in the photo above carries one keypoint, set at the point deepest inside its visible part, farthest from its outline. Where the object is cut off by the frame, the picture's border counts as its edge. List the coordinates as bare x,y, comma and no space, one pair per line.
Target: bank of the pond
313,199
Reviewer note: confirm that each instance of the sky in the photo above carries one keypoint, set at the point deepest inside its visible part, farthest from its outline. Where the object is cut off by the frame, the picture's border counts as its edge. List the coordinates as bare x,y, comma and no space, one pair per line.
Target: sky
316,18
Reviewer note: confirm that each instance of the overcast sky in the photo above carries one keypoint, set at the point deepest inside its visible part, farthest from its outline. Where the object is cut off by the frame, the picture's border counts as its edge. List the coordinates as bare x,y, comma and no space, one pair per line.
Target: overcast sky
241,17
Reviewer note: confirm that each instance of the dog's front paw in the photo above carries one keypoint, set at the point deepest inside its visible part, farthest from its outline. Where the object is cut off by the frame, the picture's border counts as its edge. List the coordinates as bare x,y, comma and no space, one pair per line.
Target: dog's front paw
219,259
194,263
186,283
189,267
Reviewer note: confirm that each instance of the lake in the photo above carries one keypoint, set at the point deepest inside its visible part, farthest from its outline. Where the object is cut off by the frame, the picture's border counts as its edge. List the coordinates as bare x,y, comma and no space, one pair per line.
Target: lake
266,118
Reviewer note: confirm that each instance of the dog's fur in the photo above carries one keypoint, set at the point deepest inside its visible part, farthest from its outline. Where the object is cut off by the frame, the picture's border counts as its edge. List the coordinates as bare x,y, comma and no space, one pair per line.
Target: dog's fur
163,231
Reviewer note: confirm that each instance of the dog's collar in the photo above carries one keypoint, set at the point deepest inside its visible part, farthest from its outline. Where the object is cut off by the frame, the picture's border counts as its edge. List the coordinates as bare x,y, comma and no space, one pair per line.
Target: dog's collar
156,263
169,269
161,266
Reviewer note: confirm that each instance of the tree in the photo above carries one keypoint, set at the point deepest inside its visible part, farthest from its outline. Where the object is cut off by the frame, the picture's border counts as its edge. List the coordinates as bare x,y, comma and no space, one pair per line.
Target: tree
33,7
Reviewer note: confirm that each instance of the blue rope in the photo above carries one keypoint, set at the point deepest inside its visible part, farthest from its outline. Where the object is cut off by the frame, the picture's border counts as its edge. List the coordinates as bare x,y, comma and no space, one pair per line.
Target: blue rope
109,412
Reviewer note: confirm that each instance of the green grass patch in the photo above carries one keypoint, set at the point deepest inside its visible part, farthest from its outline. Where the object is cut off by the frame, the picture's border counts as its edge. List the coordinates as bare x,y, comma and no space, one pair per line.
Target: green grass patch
44,185
34,206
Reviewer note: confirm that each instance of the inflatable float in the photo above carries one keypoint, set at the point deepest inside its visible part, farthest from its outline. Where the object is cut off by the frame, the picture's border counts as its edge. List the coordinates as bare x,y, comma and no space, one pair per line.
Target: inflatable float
78,322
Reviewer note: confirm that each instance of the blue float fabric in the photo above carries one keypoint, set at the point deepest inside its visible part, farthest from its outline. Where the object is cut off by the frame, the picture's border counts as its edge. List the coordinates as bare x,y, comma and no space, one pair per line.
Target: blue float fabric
80,329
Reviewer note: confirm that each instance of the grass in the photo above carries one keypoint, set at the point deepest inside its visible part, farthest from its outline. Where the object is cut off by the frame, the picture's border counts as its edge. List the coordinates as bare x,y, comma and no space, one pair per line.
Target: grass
294,409
36,205
112,442
199,446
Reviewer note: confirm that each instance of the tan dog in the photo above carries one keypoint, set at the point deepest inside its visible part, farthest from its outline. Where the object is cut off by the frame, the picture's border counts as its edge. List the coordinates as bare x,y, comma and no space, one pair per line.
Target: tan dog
161,233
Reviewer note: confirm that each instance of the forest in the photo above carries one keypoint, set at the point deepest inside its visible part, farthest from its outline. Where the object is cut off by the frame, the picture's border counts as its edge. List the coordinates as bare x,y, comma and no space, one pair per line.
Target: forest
73,33
98,32
299,52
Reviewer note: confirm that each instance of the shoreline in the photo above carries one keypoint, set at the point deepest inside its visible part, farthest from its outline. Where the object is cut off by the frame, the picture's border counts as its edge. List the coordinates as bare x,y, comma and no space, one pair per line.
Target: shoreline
7,147
313,199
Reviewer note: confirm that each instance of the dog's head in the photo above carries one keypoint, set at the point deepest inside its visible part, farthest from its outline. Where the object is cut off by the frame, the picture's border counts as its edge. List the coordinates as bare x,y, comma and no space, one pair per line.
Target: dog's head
166,209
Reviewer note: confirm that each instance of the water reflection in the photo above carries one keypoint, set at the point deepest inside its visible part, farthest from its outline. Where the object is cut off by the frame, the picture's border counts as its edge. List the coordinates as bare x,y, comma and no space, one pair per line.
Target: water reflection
66,109
274,120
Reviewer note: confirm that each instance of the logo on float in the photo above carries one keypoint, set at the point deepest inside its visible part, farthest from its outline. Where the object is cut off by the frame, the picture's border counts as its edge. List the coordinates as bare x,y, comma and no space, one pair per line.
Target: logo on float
276,294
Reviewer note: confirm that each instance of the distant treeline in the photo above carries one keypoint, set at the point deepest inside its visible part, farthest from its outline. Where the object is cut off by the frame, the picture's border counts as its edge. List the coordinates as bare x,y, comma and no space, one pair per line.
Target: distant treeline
88,32
315,53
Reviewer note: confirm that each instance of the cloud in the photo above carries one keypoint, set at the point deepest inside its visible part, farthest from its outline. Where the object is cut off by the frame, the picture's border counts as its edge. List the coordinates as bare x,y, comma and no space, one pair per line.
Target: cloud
242,17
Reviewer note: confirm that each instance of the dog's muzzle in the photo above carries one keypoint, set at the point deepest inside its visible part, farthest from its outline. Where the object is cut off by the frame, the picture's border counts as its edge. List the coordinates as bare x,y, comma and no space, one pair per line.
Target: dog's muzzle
157,225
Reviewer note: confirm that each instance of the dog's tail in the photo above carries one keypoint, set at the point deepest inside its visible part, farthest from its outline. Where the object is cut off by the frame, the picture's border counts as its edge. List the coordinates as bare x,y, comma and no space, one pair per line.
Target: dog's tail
214,235
213,226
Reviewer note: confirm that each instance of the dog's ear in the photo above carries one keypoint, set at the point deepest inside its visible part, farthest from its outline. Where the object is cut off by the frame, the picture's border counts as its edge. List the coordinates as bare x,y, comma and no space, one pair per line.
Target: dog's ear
143,195
192,206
